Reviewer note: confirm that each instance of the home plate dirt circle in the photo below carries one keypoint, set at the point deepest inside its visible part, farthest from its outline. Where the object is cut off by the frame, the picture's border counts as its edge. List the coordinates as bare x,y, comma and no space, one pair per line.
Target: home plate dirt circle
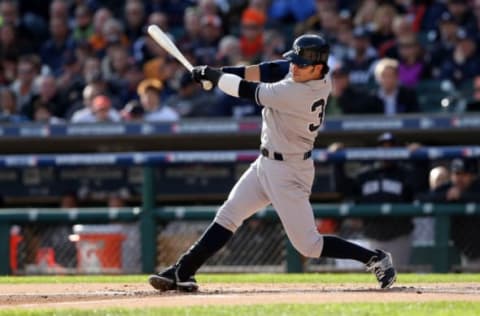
131,295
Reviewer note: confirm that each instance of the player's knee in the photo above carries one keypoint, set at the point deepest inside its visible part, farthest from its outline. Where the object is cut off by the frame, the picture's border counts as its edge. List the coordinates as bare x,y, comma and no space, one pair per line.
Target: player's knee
309,245
228,218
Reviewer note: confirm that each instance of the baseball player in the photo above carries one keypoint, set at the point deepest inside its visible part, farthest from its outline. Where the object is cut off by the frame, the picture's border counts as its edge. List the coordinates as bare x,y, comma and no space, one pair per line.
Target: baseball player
293,93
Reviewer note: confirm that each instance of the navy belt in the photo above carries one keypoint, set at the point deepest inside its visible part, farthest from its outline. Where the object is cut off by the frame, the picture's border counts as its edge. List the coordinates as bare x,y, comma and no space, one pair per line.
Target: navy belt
278,156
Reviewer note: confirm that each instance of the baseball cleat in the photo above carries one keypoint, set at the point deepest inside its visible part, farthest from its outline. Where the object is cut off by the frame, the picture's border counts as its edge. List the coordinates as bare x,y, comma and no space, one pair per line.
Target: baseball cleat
163,281
187,285
382,266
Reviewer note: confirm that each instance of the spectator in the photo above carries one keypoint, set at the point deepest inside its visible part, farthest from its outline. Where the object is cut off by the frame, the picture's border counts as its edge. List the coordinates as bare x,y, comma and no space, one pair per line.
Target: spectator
9,11
474,104
43,114
101,109
24,86
145,49
9,107
149,92
360,58
396,98
383,25
251,37
463,187
274,45
86,113
83,26
191,100
288,11
134,22
346,99
462,15
97,40
191,29
11,44
412,68
47,97
384,182
205,49
54,51
229,51
70,84
462,63
445,40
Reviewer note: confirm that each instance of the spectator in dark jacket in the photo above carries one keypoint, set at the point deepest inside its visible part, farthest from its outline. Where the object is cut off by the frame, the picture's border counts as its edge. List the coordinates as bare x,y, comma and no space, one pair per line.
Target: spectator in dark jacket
346,99
396,98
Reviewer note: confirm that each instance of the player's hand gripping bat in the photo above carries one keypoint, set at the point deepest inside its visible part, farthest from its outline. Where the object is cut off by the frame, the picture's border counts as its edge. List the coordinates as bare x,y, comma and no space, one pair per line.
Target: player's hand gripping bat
164,41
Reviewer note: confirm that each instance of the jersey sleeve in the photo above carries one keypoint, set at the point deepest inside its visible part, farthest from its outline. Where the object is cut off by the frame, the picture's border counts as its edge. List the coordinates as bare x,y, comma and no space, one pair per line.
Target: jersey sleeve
277,95
273,71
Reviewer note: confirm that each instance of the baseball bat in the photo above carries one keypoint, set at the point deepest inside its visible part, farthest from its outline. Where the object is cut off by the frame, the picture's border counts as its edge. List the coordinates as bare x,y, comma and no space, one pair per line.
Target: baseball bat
164,41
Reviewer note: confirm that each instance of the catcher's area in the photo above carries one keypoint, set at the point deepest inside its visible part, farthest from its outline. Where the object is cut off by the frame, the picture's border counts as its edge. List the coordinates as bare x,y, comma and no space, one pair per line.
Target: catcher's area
95,295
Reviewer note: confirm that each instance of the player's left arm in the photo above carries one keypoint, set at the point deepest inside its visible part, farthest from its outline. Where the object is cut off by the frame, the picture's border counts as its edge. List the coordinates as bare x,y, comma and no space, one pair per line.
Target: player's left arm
229,83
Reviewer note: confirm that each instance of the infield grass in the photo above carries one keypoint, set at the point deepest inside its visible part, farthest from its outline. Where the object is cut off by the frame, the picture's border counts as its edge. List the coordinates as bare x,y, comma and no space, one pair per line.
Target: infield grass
353,309
327,278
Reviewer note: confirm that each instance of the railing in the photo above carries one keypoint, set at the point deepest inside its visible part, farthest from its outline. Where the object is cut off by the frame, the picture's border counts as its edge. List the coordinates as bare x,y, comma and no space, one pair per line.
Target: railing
149,214
149,217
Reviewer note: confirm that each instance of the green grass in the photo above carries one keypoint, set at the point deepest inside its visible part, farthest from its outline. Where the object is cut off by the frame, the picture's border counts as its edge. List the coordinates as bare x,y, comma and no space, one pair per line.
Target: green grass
354,309
251,278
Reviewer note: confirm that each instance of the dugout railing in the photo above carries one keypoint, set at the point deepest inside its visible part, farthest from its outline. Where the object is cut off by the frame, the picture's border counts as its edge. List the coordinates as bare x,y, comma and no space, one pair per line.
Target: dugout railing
150,214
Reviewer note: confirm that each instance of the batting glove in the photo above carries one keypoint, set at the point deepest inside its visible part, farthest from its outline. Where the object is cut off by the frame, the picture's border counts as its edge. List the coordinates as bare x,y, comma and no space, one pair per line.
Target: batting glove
206,73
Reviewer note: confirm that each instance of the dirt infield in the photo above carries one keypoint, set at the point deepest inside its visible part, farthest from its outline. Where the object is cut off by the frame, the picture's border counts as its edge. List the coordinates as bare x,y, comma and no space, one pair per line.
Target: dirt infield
95,295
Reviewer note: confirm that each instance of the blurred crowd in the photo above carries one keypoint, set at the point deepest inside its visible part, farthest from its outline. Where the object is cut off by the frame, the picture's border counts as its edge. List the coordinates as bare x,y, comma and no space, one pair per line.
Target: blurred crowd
85,61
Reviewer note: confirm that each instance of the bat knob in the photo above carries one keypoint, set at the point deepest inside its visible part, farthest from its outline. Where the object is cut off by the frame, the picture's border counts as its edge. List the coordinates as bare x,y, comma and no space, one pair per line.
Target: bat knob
207,85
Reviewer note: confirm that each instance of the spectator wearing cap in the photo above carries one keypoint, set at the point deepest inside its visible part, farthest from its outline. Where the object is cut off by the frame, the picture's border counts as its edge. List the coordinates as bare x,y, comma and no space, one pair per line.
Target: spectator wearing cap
361,57
251,33
395,97
463,63
149,91
463,187
385,181
444,41
463,15
101,107
86,113
191,100
347,99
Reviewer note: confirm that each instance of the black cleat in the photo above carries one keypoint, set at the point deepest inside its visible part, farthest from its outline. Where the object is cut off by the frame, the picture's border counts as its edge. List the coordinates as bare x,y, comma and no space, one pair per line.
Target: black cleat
382,266
187,285
165,280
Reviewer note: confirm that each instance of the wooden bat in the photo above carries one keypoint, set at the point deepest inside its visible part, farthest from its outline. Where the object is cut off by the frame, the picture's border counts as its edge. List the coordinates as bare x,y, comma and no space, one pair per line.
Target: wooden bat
164,41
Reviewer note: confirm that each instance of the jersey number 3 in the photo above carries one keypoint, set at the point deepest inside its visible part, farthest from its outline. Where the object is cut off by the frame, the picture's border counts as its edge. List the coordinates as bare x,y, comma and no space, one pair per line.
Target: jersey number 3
318,104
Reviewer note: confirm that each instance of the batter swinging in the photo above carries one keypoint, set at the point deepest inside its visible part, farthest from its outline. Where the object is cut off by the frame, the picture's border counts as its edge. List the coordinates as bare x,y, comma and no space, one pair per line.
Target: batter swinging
293,93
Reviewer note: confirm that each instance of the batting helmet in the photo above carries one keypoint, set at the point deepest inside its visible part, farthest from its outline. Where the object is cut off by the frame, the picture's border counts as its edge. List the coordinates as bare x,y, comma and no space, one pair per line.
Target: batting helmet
309,49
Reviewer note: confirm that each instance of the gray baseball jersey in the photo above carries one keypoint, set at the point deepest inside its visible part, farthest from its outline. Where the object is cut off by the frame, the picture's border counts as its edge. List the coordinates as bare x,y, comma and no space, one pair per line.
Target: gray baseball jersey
292,115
